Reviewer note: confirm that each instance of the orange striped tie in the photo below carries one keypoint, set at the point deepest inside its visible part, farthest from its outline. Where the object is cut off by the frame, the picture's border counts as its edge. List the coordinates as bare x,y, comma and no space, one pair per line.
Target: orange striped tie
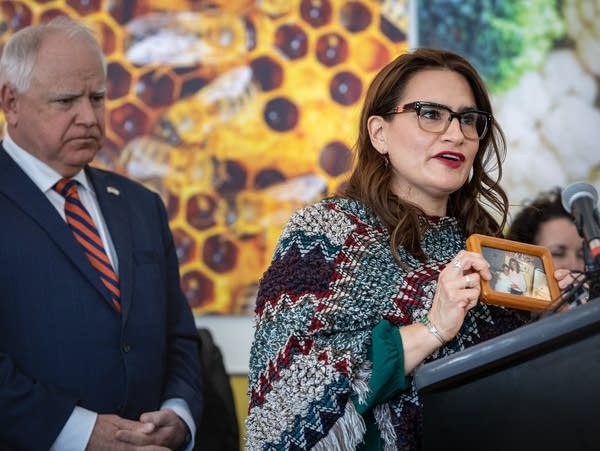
85,232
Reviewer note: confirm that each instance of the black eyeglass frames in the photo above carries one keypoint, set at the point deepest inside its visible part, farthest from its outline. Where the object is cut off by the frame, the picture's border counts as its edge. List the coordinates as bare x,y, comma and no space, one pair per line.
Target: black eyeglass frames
436,118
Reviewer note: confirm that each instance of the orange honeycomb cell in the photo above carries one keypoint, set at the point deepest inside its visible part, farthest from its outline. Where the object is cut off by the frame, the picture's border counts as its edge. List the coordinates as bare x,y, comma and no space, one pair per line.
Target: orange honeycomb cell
232,177
200,211
355,16
184,245
375,55
316,13
292,41
52,13
345,88
332,49
124,11
281,114
119,81
198,288
129,121
156,89
267,72
84,7
335,158
13,17
106,36
219,253
172,203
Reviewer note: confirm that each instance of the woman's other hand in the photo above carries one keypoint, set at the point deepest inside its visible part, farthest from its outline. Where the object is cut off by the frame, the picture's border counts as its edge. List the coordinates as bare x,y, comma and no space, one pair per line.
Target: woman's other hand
458,291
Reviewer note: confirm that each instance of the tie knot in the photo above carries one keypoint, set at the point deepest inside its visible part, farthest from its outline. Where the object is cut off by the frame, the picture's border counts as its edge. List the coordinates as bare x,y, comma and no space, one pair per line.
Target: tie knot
66,187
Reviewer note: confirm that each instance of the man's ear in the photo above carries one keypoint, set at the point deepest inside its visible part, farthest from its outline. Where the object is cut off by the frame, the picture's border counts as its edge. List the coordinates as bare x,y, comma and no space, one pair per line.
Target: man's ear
377,132
9,104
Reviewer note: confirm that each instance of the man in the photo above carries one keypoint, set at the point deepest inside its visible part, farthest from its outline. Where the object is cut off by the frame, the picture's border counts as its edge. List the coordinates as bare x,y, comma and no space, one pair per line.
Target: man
97,342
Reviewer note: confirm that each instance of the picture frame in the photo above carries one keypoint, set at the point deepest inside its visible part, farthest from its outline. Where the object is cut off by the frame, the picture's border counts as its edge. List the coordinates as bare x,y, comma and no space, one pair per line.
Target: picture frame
522,274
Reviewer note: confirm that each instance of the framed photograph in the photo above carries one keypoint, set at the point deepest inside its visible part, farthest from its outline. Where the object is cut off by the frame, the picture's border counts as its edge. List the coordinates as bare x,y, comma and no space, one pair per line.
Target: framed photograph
522,274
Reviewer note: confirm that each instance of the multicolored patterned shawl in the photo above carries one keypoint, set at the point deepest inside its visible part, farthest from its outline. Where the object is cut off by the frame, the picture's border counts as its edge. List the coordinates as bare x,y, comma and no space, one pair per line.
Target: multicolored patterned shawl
331,281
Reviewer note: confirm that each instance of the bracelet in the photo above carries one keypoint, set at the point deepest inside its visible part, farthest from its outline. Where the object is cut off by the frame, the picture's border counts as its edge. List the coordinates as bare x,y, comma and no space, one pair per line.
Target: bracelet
425,320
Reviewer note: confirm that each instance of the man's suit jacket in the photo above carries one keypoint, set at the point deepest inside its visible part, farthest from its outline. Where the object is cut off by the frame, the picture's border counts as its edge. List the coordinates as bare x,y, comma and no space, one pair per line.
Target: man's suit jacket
61,342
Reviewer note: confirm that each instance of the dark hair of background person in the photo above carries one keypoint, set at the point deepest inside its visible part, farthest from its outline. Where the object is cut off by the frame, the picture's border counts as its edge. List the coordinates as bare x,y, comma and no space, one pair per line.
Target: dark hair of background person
371,177
526,224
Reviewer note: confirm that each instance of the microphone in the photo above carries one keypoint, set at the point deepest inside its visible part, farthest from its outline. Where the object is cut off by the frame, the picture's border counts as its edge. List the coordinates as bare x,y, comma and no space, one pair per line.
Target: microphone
580,200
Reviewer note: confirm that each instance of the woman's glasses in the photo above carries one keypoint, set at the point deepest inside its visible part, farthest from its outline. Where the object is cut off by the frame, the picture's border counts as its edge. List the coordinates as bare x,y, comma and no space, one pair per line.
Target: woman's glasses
436,118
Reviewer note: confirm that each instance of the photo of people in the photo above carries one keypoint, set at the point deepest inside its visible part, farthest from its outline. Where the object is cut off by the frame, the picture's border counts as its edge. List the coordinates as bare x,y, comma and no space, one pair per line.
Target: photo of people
517,273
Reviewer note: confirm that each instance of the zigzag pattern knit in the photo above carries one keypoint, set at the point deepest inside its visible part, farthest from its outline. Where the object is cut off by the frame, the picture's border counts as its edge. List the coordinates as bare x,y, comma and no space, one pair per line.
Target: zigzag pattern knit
332,279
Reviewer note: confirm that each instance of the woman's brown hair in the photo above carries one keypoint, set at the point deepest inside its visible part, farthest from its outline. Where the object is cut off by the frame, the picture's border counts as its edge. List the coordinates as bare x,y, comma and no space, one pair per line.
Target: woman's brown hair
370,181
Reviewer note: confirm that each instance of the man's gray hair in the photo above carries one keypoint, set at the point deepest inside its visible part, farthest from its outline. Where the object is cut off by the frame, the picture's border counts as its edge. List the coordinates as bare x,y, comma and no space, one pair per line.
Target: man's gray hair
20,52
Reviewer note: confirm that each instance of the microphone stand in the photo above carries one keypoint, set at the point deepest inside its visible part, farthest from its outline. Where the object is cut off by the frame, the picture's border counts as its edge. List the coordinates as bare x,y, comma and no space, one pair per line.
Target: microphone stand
592,272
574,294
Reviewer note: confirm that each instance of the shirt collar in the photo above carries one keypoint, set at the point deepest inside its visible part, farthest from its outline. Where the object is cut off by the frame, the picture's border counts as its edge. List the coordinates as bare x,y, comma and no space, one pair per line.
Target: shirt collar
39,172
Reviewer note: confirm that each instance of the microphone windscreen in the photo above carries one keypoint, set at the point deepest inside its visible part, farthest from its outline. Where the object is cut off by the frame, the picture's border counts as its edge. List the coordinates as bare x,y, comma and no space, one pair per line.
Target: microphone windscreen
576,190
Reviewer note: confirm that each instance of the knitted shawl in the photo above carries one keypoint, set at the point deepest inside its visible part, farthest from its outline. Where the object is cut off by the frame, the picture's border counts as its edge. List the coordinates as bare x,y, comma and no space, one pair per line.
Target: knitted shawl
332,279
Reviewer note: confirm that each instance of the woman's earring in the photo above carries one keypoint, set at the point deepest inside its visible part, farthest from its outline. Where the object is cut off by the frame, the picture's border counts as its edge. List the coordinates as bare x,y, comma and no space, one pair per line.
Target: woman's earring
386,160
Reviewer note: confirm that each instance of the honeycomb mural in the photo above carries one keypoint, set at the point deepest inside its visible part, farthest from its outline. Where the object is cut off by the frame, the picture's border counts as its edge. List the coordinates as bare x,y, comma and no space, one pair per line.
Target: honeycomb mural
236,112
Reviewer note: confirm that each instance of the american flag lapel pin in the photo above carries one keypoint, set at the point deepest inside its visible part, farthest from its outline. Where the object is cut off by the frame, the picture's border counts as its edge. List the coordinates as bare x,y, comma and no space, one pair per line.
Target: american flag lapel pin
112,190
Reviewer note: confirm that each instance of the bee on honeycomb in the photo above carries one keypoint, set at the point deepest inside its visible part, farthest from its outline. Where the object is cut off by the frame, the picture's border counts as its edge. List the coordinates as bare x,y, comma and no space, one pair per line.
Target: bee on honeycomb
236,112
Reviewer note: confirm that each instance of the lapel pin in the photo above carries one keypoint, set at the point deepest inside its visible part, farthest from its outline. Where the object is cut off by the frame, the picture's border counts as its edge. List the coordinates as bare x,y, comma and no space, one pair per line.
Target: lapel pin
112,190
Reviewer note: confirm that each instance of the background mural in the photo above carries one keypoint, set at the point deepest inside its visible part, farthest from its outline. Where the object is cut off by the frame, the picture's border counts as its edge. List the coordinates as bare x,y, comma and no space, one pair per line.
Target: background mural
239,112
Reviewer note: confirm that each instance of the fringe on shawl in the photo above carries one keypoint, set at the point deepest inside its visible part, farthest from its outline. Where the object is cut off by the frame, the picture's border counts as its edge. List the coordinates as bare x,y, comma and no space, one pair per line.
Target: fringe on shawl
383,417
360,384
347,433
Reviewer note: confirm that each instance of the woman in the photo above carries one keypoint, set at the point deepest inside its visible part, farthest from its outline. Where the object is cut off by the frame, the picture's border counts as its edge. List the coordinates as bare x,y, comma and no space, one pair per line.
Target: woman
545,222
366,286
518,285
503,282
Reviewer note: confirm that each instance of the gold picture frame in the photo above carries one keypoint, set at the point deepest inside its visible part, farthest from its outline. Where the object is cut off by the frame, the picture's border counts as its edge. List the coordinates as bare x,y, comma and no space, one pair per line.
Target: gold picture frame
522,274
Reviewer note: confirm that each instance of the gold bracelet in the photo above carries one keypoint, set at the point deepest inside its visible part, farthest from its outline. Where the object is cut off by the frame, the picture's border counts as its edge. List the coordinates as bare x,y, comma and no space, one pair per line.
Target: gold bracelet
425,320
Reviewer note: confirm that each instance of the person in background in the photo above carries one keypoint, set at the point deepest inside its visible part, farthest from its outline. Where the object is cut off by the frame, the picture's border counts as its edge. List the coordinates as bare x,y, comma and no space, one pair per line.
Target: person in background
544,222
98,344
365,286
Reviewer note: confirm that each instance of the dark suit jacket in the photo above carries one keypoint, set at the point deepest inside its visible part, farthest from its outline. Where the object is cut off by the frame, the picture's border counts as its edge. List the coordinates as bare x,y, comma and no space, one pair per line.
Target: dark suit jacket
61,343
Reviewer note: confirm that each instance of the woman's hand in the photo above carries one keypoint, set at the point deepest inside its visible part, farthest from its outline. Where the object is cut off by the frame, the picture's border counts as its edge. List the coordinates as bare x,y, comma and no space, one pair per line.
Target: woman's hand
458,292
566,277
568,281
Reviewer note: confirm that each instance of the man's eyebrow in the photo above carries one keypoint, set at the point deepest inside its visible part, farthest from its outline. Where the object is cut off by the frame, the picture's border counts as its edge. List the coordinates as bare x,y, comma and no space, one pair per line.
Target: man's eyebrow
65,94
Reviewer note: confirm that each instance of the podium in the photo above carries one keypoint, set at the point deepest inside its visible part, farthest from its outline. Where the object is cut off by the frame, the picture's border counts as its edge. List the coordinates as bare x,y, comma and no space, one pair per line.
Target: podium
535,388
